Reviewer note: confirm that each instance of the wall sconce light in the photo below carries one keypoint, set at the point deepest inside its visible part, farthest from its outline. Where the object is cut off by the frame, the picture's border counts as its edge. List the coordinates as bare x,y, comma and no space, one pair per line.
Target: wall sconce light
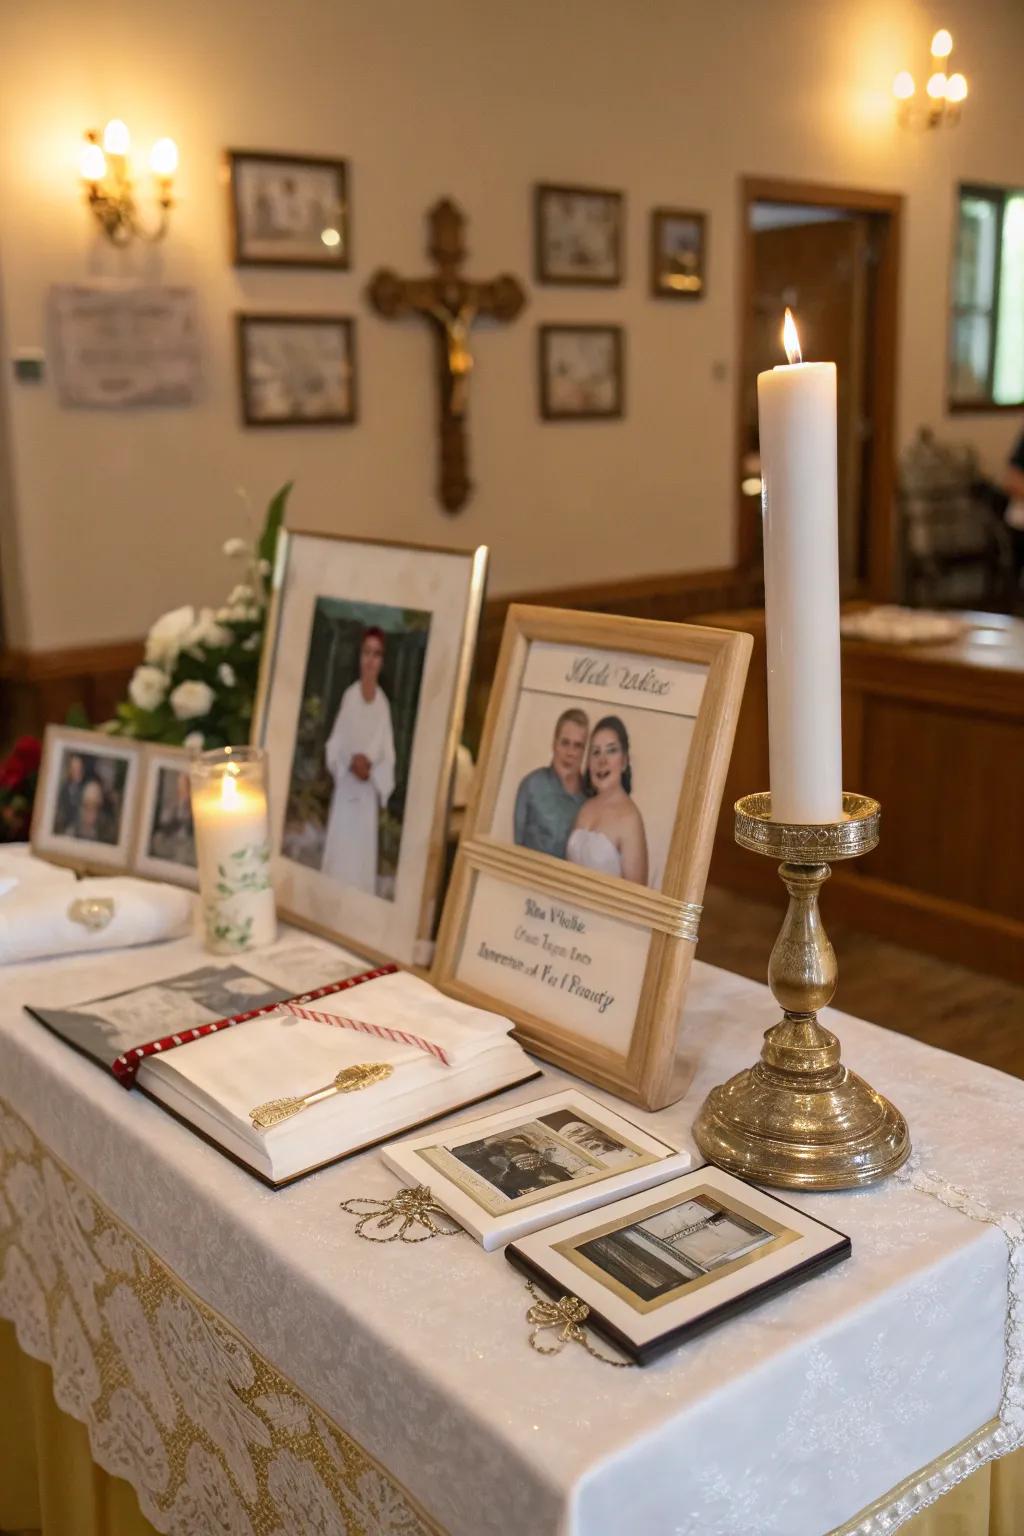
110,189
946,93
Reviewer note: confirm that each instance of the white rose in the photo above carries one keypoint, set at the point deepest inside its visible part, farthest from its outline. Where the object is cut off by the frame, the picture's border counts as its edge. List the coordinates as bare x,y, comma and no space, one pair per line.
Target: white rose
253,643
233,548
167,635
194,741
239,596
192,699
206,631
226,675
147,687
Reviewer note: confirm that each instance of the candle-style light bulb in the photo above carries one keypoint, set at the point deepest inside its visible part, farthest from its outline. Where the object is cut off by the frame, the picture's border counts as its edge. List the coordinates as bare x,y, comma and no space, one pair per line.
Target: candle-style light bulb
93,163
937,85
163,158
116,138
903,86
791,339
956,89
942,44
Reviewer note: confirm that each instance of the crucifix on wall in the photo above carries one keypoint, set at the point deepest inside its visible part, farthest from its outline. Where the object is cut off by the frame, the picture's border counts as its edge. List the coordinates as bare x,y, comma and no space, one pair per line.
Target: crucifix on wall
451,304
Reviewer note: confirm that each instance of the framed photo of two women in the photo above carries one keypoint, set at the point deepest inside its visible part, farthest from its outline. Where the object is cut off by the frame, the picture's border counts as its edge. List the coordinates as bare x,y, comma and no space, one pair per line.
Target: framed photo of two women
360,707
576,894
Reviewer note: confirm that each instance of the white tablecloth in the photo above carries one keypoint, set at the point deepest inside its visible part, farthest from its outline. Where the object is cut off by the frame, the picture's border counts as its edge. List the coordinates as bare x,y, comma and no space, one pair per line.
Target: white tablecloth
789,1420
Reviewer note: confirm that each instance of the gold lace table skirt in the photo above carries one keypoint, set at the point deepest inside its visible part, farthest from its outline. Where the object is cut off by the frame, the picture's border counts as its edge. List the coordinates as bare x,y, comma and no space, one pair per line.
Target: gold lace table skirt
49,1482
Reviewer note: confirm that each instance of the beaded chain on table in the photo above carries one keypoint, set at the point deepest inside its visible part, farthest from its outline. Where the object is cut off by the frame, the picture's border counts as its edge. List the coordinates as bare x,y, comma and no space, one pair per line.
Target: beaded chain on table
1009,1433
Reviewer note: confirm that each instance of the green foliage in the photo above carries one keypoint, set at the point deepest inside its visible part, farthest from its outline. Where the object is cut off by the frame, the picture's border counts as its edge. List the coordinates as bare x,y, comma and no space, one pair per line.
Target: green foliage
218,651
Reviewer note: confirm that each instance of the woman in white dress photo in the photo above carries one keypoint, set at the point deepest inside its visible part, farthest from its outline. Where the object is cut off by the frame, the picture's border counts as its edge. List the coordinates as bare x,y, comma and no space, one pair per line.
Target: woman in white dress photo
360,756
608,834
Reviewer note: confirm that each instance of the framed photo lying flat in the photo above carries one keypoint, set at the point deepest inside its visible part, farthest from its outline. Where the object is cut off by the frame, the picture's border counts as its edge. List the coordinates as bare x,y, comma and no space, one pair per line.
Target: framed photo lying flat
660,1267
360,707
575,898
507,1174
87,802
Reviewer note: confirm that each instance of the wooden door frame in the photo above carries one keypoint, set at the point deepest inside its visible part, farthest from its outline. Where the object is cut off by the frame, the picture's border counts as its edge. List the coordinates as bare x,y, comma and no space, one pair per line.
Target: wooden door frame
881,481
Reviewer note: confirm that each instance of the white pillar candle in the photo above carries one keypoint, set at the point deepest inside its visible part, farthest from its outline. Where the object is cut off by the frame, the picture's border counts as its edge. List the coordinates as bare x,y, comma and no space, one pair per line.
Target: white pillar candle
232,826
799,497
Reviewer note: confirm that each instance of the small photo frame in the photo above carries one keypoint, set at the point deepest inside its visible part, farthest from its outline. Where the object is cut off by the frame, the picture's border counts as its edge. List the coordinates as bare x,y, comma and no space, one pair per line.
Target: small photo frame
678,253
360,706
504,1175
289,211
297,370
574,903
578,235
580,372
658,1268
87,800
165,840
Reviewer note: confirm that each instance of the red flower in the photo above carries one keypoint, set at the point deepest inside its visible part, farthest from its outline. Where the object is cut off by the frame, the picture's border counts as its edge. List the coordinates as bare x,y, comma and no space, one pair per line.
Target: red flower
23,762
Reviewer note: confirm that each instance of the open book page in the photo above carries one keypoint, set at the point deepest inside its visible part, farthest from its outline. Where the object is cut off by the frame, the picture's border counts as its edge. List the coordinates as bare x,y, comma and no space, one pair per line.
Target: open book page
218,988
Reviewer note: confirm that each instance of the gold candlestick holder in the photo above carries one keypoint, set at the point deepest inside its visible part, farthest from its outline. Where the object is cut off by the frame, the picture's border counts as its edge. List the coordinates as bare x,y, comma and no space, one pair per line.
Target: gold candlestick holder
798,1118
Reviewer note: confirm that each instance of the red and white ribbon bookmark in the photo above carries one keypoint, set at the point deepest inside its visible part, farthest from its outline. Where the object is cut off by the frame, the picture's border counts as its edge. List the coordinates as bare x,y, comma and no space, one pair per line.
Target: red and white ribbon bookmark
402,1036
126,1066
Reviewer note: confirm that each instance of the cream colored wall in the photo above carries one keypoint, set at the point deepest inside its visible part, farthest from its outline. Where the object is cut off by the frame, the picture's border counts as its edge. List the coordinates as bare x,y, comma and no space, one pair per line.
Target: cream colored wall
121,515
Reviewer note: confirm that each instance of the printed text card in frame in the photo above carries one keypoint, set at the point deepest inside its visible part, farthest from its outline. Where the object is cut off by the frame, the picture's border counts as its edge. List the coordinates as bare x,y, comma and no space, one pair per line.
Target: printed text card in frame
575,898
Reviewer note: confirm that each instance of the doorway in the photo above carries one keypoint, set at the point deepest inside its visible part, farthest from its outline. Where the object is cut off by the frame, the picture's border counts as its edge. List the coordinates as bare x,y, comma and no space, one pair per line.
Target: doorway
831,255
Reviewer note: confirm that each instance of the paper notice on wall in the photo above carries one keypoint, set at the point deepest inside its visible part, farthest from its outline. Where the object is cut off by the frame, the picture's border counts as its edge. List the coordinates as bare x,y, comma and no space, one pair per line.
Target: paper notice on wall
119,347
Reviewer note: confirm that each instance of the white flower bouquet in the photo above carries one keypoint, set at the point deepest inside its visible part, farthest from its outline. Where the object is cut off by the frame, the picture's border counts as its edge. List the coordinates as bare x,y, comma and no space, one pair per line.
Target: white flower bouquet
197,685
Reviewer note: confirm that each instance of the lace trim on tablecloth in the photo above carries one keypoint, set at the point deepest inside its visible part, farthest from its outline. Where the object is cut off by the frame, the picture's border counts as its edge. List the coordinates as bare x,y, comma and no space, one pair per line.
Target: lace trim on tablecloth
1003,1434
209,1434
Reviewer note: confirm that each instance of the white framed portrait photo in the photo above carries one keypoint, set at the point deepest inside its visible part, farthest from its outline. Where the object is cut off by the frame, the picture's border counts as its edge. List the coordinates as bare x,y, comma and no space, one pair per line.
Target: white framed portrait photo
88,799
575,900
361,702
165,839
505,1174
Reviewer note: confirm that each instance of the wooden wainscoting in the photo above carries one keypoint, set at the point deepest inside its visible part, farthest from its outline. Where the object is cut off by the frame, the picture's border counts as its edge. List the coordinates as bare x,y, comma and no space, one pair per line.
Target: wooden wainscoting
936,734
37,687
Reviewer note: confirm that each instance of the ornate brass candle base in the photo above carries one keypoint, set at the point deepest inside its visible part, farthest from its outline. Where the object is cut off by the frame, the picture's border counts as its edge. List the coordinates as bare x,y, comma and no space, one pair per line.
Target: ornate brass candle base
799,1119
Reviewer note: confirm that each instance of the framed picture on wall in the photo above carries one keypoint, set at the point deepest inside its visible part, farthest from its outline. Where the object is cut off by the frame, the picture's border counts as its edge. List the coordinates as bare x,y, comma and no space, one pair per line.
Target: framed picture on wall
360,707
578,235
297,370
288,211
87,799
581,375
576,894
678,252
165,840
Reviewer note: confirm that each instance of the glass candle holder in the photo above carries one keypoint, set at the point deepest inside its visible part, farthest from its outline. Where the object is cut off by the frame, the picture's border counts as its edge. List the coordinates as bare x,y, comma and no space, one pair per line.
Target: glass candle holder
232,824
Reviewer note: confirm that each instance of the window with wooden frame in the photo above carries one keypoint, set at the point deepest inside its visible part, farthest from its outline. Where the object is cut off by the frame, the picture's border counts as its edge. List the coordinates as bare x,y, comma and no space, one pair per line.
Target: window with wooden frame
986,359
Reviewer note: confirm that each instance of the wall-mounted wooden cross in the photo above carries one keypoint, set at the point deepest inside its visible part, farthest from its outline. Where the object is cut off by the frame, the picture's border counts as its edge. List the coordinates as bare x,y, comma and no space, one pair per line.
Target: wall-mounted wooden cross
452,304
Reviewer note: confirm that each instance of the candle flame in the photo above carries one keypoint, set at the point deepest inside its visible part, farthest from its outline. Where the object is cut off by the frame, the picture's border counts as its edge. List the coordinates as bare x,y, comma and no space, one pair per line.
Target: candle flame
229,796
790,339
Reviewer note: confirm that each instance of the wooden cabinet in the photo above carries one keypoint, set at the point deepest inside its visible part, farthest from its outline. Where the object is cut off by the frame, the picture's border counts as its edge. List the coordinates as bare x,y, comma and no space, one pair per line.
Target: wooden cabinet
936,734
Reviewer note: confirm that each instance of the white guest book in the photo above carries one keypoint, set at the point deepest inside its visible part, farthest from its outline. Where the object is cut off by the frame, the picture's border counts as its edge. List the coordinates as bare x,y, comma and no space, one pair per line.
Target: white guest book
215,1083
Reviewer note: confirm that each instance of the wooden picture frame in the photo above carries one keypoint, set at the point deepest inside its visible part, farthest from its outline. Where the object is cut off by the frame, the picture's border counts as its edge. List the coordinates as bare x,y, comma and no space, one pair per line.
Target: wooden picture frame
85,812
329,593
577,382
164,846
275,391
590,954
678,259
282,207
578,235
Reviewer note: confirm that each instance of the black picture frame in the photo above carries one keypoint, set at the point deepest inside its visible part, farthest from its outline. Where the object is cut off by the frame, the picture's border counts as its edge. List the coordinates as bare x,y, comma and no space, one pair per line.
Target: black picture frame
643,1352
546,196
247,324
247,250
667,282
550,409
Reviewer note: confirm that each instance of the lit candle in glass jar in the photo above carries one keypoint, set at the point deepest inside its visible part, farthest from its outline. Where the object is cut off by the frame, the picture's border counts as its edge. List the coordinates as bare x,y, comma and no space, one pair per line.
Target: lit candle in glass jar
232,826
